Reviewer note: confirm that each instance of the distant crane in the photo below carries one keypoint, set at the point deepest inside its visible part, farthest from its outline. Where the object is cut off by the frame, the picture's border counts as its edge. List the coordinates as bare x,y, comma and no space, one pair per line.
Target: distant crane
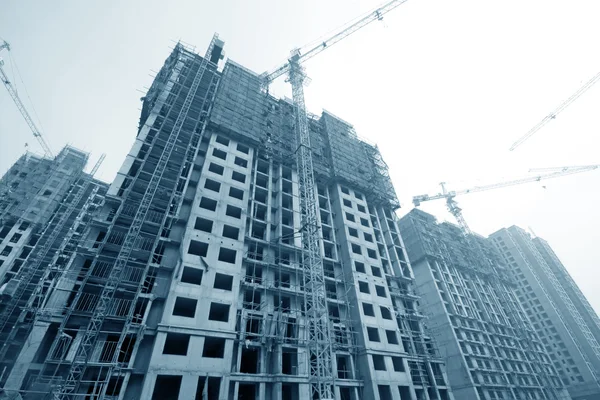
321,372
457,211
557,111
15,96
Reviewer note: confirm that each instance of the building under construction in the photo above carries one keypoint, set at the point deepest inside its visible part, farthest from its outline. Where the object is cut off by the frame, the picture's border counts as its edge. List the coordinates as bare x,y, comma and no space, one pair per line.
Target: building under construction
489,345
563,318
189,281
45,205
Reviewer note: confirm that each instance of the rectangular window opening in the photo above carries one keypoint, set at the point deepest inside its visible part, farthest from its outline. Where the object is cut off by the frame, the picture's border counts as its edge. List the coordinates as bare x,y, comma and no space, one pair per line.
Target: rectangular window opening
198,248
378,362
208,204
363,287
166,387
227,255
192,275
212,185
398,364
219,312
231,232
222,140
220,154
241,162
236,193
176,344
203,224
185,307
216,168
233,211
373,334
236,176
214,347
223,281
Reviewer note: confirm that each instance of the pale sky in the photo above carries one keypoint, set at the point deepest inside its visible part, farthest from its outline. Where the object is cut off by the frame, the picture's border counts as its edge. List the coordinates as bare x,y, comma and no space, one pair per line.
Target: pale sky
443,87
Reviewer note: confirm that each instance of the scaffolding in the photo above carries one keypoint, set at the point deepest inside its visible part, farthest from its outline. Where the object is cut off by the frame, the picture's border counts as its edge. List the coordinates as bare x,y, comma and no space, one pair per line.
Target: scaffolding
246,113
273,316
479,302
132,251
560,270
566,299
123,262
46,262
16,319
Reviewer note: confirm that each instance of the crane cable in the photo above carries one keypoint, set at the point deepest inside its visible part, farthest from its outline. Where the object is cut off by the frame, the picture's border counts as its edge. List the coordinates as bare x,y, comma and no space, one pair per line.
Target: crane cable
13,67
557,111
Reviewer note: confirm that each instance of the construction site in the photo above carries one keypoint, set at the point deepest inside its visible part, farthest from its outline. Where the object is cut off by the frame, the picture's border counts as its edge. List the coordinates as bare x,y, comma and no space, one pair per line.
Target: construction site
248,249
193,279
561,315
492,350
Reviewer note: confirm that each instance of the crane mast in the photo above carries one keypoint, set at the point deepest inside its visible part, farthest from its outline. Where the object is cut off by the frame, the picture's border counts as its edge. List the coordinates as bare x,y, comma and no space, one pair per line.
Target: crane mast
320,349
319,335
15,96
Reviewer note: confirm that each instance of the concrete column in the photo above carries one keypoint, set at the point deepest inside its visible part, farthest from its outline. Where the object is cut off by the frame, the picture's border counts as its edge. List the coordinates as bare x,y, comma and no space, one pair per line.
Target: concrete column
304,391
74,345
189,385
27,354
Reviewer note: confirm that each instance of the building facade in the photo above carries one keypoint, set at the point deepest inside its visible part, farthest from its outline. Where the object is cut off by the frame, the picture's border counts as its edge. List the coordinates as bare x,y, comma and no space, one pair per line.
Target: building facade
189,281
562,316
490,347
45,206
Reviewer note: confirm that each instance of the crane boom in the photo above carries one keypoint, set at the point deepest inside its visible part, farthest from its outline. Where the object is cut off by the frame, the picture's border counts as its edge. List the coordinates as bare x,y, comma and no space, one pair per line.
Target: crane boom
551,173
310,52
15,96
456,211
574,168
557,111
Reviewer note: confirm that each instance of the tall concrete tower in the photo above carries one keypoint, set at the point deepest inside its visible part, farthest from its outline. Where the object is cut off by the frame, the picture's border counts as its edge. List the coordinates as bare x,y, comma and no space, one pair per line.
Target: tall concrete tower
189,281
491,349
562,316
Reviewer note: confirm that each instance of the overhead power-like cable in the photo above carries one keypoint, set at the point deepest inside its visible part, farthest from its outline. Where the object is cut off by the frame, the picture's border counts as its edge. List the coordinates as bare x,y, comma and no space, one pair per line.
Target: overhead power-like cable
22,109
557,111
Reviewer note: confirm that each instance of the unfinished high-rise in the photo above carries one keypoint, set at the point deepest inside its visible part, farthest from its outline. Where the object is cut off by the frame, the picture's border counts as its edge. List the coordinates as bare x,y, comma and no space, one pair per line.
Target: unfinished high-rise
45,206
189,281
565,321
491,349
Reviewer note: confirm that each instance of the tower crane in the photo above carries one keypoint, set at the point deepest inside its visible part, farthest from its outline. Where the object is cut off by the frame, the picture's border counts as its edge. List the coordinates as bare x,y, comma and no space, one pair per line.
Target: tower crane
321,374
498,279
556,111
15,96
548,173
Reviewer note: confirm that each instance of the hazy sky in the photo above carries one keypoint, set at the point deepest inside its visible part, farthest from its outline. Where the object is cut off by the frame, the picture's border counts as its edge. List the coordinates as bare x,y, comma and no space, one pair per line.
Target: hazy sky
444,87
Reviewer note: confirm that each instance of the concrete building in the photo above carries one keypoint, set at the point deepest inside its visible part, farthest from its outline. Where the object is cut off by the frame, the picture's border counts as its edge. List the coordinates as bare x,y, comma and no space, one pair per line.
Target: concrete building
189,283
562,316
44,207
490,347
